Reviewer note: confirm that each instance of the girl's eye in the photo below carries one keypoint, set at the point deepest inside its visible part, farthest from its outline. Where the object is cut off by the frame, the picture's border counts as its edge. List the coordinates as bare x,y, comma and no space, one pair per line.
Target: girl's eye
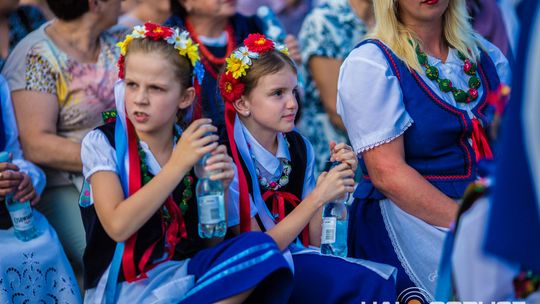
156,88
277,93
131,84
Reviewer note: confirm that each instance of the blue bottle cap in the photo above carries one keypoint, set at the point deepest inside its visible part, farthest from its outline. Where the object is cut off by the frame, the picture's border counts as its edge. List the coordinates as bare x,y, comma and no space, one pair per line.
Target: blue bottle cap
4,156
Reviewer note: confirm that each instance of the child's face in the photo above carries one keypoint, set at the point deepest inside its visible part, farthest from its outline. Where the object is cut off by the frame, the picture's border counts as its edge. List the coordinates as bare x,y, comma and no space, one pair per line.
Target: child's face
272,103
153,93
211,8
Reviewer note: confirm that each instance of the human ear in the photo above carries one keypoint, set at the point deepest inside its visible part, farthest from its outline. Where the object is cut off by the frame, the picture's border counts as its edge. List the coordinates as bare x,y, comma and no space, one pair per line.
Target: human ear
242,106
187,98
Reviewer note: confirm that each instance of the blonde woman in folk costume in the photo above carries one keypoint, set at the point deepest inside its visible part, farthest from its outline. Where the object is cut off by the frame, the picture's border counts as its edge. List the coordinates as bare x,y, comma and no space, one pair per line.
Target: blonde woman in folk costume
413,100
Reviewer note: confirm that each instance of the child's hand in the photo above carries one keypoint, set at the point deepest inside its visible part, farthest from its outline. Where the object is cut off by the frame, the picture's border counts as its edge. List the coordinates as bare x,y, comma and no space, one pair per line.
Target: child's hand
195,143
10,178
343,153
223,164
26,192
333,184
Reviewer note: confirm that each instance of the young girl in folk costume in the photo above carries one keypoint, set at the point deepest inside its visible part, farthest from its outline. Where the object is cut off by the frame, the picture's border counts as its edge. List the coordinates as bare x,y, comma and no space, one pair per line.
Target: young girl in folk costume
141,220
413,100
218,29
275,165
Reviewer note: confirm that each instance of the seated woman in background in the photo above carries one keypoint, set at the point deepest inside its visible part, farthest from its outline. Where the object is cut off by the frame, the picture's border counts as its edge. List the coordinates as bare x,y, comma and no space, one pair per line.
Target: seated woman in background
61,78
37,269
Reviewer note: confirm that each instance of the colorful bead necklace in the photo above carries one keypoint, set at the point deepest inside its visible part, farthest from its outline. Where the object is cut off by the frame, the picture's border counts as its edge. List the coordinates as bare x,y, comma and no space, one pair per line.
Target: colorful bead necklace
187,194
278,183
445,85
211,62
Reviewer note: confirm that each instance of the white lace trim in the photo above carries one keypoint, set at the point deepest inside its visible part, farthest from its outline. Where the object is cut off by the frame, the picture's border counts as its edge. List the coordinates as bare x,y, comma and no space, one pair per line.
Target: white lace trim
385,141
404,263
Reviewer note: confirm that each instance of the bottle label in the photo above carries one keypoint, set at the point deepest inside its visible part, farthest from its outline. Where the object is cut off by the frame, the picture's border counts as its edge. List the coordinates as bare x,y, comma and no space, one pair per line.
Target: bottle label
328,230
23,218
211,209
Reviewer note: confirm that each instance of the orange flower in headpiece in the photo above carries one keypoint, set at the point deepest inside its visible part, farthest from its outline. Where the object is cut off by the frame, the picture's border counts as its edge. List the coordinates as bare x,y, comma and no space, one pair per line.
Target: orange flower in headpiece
156,31
258,43
231,89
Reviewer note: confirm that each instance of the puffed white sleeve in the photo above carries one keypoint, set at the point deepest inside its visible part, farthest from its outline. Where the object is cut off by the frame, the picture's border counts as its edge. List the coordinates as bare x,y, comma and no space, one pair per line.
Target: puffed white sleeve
97,154
502,65
370,100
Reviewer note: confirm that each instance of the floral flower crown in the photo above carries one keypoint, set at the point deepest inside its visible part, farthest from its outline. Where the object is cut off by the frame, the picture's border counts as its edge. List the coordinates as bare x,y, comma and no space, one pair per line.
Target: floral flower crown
241,60
180,40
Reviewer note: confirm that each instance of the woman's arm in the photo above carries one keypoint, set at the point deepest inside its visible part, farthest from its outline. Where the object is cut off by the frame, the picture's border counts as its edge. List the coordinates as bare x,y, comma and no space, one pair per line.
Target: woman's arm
325,73
37,115
398,181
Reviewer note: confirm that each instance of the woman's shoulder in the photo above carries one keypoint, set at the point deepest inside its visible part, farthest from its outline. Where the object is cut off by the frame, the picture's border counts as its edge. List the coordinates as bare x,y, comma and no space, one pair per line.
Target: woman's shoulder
369,52
35,45
493,51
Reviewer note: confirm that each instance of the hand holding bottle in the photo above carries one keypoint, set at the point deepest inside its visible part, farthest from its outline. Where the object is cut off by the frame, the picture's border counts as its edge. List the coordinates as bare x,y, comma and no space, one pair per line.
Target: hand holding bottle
335,183
195,143
221,163
343,153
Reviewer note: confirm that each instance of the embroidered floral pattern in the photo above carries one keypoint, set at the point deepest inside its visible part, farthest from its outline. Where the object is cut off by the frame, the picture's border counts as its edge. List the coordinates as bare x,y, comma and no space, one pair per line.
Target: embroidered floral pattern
33,283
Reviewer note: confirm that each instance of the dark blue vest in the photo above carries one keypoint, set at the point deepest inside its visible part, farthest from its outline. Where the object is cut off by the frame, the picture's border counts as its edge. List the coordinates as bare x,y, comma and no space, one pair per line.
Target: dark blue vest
436,145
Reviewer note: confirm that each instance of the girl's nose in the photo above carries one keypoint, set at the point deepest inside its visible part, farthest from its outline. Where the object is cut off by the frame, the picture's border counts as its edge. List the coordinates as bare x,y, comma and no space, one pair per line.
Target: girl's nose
141,98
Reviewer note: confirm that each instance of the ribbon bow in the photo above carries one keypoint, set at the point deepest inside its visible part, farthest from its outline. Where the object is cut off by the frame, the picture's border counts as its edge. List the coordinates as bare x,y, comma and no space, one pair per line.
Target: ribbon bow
279,198
480,143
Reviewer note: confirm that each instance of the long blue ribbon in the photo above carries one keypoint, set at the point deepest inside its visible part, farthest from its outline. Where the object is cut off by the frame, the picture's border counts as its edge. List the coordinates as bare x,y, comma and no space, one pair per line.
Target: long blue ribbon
120,139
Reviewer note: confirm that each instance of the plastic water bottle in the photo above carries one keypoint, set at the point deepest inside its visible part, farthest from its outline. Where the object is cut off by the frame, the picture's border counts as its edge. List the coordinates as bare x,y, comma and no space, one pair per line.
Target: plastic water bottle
210,203
20,212
334,226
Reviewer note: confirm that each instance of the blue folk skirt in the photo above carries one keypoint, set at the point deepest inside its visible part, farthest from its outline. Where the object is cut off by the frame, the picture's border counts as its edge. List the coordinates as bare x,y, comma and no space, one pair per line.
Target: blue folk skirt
328,279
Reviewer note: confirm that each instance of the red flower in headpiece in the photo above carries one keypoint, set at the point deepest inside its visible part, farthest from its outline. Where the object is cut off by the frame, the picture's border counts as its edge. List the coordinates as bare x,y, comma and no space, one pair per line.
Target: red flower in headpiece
120,65
258,43
231,89
156,31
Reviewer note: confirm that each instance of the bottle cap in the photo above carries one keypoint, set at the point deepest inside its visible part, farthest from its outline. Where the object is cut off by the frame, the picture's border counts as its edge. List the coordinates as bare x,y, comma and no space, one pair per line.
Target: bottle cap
4,156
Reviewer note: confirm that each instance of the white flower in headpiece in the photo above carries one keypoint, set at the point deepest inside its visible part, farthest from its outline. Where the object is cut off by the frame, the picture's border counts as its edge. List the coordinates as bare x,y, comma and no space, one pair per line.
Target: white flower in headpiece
138,31
244,55
282,48
179,40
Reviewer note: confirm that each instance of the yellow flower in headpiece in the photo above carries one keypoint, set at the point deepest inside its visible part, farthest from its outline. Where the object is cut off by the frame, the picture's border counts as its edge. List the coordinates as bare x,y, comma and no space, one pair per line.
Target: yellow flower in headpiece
124,44
191,50
282,48
236,67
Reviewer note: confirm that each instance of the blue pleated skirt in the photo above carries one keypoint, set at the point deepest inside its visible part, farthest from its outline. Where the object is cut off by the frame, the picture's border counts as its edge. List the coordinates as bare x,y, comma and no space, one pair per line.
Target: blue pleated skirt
328,279
250,260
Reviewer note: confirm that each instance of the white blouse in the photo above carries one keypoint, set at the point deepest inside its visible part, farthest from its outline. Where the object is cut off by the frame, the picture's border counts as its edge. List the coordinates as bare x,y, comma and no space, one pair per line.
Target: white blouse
370,100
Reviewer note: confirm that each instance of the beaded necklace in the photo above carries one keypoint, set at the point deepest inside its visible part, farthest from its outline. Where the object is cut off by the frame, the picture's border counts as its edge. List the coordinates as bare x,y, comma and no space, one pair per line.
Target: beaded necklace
278,183
187,194
445,85
212,63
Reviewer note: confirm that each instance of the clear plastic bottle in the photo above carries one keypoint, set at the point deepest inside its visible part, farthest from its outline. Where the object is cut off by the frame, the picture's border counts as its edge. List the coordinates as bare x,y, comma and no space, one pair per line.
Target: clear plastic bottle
334,226
20,212
210,203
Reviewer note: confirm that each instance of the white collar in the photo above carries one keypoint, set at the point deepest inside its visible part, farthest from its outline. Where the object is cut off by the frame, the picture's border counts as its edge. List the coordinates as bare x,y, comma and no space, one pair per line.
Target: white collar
265,158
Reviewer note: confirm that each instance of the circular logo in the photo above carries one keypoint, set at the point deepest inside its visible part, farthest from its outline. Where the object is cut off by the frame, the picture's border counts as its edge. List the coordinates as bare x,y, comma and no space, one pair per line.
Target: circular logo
414,295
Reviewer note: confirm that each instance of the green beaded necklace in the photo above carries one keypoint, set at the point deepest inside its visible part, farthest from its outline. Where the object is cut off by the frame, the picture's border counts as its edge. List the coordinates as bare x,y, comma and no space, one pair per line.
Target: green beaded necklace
187,194
446,85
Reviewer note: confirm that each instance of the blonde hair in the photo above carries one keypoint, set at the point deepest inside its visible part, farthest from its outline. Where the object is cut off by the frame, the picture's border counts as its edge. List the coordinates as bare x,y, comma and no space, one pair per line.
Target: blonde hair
457,31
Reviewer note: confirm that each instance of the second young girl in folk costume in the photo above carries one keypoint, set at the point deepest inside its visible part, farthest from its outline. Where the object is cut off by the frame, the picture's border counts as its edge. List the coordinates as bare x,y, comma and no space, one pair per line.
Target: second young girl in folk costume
275,164
141,216
413,101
